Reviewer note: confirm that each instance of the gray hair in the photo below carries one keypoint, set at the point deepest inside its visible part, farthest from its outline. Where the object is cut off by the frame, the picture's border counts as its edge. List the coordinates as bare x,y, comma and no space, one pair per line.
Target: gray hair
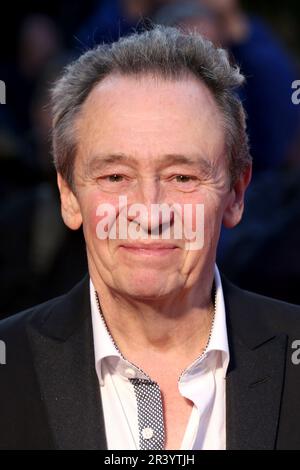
166,52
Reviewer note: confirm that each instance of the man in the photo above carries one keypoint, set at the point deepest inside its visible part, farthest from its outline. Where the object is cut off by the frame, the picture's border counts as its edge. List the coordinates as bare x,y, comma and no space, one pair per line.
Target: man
153,350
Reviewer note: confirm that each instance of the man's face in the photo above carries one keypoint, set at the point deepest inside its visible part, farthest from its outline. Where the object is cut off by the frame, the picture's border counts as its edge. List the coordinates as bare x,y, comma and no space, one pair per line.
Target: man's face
151,141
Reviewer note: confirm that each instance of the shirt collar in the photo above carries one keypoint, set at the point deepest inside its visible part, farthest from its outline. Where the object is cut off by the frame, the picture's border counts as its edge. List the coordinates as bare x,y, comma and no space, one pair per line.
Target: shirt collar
104,346
219,338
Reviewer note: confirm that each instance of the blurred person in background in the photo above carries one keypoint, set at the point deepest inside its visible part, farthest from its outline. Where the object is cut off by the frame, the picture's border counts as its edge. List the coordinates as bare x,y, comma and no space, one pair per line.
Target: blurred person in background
32,234
270,71
112,19
109,20
189,15
39,41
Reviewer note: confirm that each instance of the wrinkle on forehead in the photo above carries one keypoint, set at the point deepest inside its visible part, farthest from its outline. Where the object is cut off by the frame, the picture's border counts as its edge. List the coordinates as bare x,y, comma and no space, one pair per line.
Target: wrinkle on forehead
130,116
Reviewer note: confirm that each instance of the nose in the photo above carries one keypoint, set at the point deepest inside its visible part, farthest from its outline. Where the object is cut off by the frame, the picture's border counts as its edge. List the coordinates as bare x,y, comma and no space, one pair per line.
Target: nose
149,209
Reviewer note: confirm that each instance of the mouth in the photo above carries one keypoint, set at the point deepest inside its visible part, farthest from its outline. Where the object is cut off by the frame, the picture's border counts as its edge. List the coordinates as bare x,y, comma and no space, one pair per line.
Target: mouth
149,249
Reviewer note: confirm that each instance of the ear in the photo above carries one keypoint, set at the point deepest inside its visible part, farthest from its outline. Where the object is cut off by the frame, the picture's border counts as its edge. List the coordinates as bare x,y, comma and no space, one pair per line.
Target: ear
235,206
70,208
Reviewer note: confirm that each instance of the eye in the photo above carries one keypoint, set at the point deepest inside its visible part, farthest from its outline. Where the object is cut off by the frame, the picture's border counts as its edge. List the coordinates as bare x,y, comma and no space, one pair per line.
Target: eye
114,182
115,178
184,178
183,182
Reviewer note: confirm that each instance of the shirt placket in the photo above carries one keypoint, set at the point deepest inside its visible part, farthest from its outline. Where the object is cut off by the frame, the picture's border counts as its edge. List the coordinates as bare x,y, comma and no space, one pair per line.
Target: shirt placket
150,414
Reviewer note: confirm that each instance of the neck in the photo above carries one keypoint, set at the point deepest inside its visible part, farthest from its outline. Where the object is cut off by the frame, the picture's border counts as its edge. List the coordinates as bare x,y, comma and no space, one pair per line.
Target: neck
179,324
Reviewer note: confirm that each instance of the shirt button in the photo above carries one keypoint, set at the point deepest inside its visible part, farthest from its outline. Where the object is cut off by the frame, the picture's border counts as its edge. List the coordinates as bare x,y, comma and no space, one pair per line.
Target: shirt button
130,373
147,433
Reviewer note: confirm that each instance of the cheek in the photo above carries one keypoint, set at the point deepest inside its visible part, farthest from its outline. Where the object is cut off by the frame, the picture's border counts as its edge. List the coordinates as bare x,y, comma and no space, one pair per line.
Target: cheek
193,212
205,216
212,221
96,206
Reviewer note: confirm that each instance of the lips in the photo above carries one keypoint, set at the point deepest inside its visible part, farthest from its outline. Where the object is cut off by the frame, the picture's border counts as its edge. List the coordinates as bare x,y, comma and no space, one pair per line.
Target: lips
149,248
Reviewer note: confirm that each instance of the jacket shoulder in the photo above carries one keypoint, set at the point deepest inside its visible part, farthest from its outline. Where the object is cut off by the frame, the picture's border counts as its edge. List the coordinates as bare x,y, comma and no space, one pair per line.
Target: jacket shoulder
278,315
19,321
53,315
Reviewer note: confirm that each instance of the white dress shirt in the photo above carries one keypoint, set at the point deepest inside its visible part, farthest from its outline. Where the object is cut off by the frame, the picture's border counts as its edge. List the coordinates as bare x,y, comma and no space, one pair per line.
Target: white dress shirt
203,383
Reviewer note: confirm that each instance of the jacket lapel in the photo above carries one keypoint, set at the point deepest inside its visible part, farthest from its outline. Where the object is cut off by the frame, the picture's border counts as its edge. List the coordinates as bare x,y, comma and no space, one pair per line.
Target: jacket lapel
255,375
62,345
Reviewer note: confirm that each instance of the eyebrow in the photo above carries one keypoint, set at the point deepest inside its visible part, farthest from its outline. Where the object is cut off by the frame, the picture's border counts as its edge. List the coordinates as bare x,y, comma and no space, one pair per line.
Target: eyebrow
99,161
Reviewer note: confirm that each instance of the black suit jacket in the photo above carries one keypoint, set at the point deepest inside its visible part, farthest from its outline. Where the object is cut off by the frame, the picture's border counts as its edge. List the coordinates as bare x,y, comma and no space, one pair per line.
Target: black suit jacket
49,392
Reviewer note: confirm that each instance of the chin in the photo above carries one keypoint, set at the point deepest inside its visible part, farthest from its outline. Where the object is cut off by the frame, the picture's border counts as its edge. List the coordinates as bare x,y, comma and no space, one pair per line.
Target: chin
147,286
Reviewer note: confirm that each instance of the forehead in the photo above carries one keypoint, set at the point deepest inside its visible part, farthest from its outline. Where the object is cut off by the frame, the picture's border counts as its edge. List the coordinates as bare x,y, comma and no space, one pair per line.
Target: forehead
145,117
